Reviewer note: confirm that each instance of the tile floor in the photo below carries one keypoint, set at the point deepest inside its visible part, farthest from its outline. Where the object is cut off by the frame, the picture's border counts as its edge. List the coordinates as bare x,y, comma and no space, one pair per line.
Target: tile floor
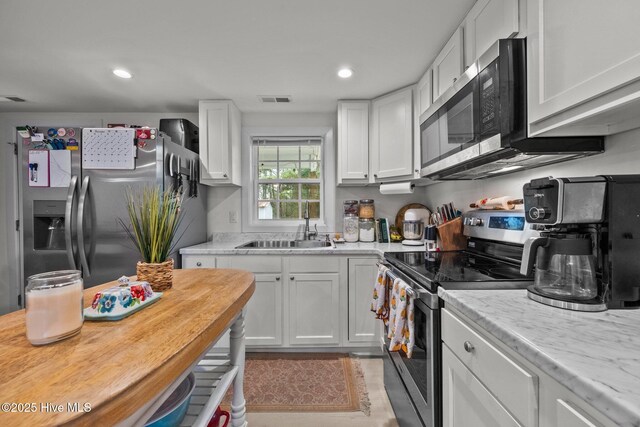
381,411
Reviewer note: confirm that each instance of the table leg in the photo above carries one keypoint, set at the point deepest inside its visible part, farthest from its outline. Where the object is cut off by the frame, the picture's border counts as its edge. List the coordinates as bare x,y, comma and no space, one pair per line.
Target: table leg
238,404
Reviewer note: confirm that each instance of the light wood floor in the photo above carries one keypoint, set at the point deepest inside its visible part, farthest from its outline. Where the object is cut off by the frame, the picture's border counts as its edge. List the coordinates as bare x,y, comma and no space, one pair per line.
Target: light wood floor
381,411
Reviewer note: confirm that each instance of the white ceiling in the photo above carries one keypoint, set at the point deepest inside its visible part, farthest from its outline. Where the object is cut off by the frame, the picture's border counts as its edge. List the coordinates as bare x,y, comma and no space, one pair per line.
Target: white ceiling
58,55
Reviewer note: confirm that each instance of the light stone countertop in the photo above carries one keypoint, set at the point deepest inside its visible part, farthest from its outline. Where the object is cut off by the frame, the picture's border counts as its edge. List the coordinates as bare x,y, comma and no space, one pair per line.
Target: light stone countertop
596,355
225,244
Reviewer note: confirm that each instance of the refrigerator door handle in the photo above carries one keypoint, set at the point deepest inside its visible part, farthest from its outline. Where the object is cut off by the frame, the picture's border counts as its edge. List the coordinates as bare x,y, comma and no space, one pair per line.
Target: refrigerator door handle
73,186
81,207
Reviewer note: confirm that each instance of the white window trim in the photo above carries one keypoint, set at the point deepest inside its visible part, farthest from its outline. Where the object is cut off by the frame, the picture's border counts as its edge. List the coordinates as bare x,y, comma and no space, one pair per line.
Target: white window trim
250,222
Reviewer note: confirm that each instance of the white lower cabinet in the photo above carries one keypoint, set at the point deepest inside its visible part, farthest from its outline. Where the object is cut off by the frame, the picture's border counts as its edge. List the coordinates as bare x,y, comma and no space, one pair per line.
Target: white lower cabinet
303,300
363,326
263,319
486,384
466,402
314,308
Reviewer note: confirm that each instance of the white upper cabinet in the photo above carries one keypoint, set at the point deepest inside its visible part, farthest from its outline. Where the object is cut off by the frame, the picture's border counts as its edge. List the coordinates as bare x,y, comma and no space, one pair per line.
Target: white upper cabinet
583,66
392,136
448,65
220,123
353,142
424,93
486,22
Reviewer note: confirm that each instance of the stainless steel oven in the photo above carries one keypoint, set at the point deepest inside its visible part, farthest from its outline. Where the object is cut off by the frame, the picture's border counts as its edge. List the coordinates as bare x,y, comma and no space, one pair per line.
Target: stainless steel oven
419,377
491,261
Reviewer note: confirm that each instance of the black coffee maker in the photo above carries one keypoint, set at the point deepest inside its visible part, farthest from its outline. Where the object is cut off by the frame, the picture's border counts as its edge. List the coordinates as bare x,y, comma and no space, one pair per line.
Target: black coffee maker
587,257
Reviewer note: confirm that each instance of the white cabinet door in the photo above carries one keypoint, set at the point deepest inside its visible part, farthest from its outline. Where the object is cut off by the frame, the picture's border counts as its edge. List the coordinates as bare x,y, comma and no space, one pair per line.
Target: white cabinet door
314,308
579,51
465,401
424,93
198,261
263,318
219,143
353,141
488,21
447,66
363,326
392,141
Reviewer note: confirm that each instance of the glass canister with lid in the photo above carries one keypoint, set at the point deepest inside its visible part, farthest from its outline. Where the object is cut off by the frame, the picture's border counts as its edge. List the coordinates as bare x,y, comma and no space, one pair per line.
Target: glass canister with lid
367,229
350,226
54,306
367,209
350,207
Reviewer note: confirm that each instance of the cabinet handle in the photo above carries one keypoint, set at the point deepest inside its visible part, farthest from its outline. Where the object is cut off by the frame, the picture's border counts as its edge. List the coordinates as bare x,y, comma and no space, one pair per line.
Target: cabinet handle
455,79
225,175
291,278
416,170
375,175
365,175
277,278
468,347
199,264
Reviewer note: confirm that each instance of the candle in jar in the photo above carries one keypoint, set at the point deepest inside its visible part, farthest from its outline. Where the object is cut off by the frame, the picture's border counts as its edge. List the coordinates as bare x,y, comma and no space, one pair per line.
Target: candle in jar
54,306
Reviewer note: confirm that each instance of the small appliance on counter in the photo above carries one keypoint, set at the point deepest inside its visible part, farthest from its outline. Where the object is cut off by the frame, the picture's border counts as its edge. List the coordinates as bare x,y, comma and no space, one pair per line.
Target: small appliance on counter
413,226
586,255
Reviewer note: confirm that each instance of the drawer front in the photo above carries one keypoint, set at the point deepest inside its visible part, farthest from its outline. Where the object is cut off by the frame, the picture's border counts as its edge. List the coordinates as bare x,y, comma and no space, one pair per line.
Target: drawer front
198,261
568,416
512,385
314,264
254,264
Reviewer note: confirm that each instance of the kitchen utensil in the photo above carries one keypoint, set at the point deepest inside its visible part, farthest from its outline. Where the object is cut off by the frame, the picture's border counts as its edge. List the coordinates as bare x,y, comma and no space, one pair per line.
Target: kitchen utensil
215,421
404,209
505,202
173,410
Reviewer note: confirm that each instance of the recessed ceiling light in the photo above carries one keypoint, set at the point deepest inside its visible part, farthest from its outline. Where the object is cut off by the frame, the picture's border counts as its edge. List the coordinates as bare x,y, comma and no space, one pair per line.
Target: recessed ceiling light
345,73
124,74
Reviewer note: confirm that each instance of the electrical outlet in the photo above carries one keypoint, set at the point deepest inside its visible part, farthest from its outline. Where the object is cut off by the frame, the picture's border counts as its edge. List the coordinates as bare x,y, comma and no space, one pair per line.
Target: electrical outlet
233,217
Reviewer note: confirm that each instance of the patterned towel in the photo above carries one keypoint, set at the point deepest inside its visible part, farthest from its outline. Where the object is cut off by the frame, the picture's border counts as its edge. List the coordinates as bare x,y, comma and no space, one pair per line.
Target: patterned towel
380,302
401,323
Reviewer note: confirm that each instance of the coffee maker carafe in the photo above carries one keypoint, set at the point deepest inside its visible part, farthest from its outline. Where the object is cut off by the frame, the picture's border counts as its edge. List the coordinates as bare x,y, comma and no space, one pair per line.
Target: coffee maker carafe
565,255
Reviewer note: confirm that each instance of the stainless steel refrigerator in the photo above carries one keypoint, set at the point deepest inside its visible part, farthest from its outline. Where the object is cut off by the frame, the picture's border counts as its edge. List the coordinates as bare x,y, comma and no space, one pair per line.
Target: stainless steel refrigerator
70,210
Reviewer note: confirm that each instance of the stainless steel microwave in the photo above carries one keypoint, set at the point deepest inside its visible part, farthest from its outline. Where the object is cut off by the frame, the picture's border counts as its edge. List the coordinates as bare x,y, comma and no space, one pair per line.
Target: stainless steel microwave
478,128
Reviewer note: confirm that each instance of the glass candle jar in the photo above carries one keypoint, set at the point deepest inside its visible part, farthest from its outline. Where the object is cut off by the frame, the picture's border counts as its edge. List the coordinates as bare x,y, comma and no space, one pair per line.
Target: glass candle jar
367,209
350,225
367,230
54,306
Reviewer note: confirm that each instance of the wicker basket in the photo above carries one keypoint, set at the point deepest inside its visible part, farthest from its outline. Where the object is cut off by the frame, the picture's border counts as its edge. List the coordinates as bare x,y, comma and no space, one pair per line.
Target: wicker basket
159,275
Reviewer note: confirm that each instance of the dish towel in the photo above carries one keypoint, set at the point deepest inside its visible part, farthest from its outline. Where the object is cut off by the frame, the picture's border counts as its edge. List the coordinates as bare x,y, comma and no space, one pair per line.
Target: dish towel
401,324
380,302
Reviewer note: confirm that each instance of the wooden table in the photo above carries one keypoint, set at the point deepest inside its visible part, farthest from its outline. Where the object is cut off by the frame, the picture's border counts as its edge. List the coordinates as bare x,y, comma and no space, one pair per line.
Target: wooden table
124,369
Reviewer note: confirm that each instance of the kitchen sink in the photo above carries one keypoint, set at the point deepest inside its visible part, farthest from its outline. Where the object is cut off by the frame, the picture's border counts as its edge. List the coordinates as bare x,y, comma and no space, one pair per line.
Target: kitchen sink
274,244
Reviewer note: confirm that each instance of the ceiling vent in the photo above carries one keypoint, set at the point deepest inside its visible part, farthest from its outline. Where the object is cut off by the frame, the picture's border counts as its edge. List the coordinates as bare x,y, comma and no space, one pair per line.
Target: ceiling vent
280,99
5,98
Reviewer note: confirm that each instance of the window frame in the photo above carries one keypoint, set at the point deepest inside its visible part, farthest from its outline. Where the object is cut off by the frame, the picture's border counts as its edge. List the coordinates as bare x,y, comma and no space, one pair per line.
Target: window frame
249,195
279,142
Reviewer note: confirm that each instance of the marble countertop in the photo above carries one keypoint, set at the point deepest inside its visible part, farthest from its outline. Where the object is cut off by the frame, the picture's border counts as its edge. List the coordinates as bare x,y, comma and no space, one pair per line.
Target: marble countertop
227,246
596,355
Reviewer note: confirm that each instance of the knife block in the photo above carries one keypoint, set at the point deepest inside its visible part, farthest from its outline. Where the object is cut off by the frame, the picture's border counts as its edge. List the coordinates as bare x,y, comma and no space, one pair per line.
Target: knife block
451,237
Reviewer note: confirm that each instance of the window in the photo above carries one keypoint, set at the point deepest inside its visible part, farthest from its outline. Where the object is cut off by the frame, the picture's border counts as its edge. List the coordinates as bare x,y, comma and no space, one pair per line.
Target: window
289,173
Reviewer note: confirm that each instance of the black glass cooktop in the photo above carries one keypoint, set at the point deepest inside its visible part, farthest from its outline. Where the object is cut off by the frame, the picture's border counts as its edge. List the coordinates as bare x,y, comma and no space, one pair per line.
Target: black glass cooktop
447,269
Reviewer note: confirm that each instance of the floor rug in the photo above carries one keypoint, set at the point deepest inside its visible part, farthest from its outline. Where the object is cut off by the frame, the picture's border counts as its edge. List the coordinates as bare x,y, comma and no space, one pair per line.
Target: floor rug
303,382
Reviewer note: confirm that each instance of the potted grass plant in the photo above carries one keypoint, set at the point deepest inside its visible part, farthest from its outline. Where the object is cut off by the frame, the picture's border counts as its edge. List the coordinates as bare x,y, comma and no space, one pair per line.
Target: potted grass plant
155,217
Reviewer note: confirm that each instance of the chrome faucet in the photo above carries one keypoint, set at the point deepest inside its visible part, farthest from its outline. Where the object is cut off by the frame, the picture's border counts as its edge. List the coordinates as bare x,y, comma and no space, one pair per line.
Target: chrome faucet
308,234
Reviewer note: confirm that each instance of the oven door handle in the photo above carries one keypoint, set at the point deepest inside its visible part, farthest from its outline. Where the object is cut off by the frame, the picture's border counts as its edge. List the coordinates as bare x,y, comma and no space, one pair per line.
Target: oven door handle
415,291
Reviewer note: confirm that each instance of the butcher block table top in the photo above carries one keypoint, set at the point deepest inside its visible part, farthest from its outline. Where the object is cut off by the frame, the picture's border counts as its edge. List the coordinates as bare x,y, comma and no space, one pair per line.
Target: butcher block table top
117,367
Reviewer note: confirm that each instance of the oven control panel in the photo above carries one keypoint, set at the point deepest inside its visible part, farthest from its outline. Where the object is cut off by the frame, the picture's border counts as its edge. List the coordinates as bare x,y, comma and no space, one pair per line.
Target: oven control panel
502,226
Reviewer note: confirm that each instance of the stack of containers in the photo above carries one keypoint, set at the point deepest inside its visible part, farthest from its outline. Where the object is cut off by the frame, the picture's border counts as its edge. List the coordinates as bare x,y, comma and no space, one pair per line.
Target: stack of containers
367,213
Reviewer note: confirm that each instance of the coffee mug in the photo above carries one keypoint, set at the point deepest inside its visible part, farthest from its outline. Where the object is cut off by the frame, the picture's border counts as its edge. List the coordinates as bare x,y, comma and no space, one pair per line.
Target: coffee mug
215,421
